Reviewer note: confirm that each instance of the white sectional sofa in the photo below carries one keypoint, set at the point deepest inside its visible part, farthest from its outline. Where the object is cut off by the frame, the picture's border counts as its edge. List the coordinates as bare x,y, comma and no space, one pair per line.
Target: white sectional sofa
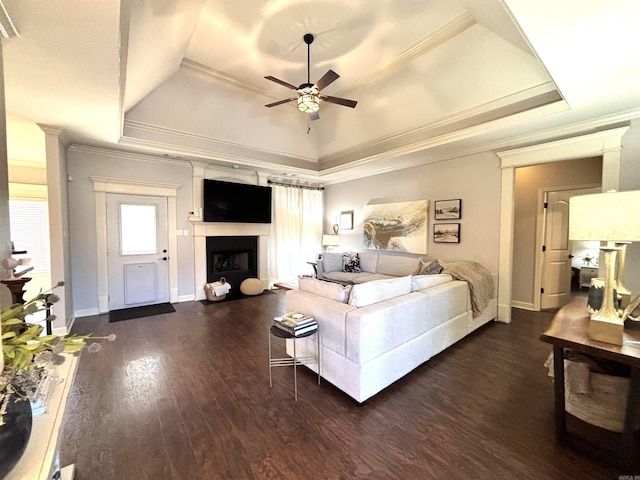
374,333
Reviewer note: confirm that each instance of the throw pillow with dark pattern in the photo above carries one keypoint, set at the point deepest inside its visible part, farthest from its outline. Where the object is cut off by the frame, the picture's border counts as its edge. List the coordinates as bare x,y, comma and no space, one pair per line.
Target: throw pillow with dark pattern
351,262
434,268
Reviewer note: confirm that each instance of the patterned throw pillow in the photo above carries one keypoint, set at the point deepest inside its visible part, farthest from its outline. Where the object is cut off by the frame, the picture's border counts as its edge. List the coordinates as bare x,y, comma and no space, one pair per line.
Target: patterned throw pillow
434,268
351,262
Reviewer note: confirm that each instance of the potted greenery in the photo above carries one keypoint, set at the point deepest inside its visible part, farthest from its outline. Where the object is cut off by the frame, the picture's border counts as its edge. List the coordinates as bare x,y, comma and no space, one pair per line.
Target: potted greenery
27,354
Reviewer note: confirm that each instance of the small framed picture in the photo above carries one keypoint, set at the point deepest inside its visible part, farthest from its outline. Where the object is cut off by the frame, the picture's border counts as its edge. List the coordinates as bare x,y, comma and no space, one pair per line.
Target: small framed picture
446,233
448,209
346,220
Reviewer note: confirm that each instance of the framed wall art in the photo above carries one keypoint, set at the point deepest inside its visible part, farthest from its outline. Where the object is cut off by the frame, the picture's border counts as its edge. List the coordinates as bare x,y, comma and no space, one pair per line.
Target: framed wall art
400,227
448,209
346,220
446,233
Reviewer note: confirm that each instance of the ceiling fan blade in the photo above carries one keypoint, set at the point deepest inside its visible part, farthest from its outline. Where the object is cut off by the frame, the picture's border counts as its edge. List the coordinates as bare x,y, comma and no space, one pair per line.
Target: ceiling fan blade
314,116
327,79
281,102
281,82
339,101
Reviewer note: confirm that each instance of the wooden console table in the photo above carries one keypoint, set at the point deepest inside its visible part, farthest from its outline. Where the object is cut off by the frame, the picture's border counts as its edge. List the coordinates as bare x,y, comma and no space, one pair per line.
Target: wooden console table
569,329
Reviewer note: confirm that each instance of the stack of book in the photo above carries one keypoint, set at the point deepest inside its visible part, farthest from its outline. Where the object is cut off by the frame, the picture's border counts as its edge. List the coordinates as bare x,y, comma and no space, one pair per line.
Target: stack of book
296,324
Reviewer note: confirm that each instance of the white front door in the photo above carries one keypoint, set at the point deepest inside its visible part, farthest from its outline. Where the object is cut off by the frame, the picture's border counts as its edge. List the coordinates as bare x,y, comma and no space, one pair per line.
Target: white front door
137,242
556,266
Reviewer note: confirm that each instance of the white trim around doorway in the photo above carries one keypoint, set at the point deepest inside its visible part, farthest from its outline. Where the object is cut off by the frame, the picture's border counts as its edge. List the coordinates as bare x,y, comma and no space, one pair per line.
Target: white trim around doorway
104,185
607,143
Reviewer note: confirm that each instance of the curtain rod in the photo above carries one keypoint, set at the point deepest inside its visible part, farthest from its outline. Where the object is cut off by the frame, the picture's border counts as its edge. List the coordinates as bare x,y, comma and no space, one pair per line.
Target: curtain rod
294,185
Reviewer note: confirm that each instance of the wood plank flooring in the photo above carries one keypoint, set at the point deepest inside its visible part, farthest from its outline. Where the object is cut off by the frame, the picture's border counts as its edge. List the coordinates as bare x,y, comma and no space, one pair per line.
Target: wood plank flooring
186,396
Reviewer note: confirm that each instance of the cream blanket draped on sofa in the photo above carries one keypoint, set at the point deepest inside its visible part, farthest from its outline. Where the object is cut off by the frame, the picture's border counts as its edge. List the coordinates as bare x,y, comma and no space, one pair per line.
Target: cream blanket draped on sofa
481,285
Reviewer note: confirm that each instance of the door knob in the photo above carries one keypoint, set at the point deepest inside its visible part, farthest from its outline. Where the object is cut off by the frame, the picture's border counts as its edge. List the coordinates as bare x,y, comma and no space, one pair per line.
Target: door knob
163,258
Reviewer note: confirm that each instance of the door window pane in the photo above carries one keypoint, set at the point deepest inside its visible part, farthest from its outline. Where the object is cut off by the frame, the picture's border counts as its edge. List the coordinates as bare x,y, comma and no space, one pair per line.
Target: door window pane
138,226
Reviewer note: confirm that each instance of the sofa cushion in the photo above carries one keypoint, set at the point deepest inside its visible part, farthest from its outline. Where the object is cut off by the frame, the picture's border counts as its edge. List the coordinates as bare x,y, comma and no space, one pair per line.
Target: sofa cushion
397,265
332,262
420,282
332,291
368,261
350,262
433,268
370,277
344,277
364,294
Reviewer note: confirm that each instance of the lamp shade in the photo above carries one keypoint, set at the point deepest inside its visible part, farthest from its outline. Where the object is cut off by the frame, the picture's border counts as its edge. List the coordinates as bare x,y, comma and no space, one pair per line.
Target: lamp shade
330,240
608,217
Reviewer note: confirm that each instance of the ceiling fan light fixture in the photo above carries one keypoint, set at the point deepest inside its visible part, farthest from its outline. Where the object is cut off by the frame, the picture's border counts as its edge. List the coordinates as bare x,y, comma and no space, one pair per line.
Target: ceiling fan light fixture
308,100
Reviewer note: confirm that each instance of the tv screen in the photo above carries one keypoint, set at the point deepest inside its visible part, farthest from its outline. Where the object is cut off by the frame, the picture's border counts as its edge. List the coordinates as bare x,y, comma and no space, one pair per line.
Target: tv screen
236,202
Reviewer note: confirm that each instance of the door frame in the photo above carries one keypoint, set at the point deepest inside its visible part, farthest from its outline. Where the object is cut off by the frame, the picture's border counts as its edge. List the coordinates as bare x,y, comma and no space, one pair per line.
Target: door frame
104,185
607,143
540,234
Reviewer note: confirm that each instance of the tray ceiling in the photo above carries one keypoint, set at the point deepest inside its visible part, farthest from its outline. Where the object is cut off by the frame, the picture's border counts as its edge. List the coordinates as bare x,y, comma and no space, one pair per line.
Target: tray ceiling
185,78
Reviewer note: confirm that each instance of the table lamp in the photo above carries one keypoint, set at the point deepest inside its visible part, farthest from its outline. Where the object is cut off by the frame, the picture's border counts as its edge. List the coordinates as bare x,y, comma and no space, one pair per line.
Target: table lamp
607,217
330,241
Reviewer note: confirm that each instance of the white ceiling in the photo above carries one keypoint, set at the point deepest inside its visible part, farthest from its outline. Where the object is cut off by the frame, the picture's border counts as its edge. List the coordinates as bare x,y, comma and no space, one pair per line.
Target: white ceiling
433,79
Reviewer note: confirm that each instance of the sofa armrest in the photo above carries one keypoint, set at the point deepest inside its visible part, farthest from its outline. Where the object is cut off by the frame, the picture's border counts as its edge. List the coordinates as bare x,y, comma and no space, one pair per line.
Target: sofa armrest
330,315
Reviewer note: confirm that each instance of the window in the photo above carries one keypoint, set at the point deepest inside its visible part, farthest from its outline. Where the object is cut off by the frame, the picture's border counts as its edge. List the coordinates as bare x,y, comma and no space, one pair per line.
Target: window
138,227
29,221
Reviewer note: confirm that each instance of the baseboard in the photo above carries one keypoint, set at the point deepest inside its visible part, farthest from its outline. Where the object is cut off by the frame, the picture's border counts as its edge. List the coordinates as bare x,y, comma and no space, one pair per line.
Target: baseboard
186,298
86,313
523,305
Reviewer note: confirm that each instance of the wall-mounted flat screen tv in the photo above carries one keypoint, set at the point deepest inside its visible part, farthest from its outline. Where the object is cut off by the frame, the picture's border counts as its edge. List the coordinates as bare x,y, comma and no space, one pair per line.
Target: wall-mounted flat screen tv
236,202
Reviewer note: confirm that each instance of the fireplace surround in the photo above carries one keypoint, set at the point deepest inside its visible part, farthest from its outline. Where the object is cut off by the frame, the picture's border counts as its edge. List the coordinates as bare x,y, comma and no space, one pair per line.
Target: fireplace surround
202,230
232,257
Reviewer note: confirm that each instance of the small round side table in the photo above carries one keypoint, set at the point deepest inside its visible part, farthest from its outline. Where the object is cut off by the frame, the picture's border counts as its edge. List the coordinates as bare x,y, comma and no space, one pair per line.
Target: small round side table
295,360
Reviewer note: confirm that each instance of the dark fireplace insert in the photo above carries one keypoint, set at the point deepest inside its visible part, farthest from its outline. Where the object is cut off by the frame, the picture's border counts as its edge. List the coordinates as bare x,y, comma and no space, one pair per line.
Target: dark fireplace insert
234,258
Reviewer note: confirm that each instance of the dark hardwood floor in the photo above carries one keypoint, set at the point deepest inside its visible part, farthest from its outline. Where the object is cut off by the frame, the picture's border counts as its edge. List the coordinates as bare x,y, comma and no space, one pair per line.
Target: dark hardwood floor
186,396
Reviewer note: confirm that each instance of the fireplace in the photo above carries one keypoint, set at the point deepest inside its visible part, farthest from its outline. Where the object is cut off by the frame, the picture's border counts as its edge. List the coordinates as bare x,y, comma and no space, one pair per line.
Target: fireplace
232,257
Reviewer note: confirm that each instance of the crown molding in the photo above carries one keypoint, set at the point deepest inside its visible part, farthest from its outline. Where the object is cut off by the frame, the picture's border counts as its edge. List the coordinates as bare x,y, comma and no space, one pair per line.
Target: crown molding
166,139
7,27
224,77
379,165
445,33
124,155
539,96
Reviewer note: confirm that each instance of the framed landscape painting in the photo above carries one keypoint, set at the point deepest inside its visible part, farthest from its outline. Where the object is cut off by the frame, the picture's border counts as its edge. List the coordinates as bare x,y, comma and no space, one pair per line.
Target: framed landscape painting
448,209
446,233
346,220
398,226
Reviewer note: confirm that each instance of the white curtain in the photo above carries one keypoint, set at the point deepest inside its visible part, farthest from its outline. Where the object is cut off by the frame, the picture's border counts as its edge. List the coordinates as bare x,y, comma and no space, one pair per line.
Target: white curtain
296,232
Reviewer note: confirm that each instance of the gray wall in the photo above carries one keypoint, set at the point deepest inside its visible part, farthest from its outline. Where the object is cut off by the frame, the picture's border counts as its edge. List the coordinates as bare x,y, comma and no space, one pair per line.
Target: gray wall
83,163
474,179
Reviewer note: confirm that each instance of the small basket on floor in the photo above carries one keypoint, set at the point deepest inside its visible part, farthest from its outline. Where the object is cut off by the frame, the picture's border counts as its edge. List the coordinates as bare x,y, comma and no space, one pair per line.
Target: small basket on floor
209,290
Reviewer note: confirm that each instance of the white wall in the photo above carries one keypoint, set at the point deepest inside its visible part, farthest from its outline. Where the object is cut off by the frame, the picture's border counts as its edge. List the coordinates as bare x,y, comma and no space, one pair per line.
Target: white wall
474,179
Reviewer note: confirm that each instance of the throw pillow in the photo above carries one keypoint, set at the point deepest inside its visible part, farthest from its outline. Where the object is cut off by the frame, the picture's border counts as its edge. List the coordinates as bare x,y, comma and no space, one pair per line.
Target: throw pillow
434,268
351,262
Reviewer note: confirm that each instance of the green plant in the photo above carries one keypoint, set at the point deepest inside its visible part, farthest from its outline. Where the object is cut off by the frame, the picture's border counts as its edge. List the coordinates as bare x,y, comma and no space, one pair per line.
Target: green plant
27,353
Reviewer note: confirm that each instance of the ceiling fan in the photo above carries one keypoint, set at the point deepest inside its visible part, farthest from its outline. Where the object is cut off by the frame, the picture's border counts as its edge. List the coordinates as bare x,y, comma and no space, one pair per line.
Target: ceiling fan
309,95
